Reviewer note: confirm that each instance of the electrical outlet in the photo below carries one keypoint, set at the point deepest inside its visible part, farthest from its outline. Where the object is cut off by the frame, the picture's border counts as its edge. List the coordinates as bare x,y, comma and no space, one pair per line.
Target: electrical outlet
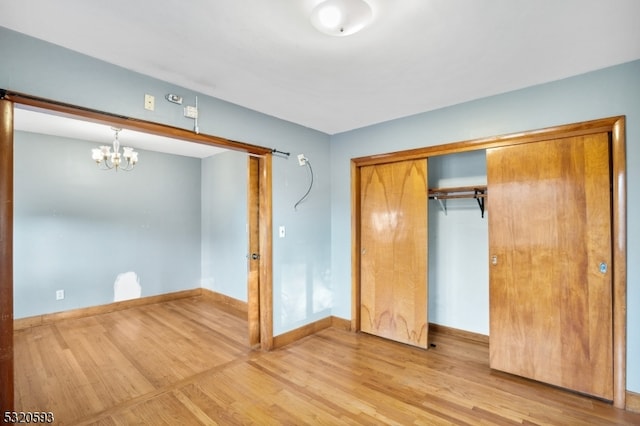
281,231
302,160
59,294
149,102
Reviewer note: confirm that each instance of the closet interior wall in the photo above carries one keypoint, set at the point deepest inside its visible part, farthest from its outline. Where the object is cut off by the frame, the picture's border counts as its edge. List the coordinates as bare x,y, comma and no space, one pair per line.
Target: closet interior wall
458,246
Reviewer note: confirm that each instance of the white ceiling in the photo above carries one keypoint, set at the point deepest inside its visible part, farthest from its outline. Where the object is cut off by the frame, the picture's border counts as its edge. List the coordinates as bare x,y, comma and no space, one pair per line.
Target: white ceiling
416,56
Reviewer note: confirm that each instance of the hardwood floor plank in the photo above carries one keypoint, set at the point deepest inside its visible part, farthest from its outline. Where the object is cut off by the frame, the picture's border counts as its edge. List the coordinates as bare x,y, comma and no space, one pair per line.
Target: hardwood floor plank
188,362
194,408
165,409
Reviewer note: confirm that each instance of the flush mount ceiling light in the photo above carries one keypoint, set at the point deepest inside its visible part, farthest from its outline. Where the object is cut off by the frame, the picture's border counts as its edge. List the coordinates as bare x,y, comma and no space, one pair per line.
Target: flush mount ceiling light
341,17
107,160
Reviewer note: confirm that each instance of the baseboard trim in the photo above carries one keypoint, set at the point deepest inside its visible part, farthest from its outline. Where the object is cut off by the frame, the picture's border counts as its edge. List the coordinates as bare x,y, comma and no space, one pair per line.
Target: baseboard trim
341,323
45,319
460,334
314,327
632,402
301,332
240,307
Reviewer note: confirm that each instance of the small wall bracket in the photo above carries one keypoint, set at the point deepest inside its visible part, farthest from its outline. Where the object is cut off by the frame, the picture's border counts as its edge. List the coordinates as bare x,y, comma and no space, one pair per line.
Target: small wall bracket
282,153
480,195
443,204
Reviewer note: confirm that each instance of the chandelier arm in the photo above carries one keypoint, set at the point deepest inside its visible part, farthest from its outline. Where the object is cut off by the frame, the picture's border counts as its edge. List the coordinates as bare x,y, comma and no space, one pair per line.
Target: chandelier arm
104,165
127,167
110,160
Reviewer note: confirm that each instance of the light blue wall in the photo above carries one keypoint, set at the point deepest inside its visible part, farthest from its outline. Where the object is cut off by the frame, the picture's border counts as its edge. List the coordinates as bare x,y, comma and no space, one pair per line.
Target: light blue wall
609,92
458,246
303,276
77,227
301,261
224,224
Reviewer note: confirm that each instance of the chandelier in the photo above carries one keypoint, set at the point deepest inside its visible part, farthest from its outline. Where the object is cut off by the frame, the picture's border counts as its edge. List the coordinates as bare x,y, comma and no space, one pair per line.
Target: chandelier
107,160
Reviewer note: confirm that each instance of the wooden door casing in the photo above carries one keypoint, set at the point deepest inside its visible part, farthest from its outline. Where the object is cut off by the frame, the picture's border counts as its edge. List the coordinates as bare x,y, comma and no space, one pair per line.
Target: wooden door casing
6,257
253,265
549,232
393,259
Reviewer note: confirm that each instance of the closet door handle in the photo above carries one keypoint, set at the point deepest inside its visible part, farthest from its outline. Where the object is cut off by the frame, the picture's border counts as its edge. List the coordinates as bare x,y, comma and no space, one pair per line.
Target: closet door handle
604,267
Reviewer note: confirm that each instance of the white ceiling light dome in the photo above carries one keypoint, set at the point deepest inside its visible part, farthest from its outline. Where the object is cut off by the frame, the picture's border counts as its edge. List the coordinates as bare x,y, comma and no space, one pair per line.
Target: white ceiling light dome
341,17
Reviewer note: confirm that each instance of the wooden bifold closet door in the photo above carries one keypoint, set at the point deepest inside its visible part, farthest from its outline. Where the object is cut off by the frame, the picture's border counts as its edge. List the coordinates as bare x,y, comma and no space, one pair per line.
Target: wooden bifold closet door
550,262
393,258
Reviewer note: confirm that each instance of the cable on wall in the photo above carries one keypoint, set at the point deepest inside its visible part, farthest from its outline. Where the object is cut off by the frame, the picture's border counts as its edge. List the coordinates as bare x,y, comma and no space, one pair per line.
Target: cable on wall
303,161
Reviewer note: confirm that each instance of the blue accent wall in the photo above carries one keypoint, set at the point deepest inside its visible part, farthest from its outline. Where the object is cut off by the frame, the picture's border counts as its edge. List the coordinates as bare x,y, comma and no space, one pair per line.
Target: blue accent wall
458,246
224,224
77,227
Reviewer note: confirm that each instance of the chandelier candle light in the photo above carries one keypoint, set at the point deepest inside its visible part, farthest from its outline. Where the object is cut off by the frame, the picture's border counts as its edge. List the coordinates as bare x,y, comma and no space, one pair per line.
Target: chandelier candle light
107,160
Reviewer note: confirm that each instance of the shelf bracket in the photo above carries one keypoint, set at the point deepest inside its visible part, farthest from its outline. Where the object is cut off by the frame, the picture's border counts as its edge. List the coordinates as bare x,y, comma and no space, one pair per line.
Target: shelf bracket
480,200
441,195
443,205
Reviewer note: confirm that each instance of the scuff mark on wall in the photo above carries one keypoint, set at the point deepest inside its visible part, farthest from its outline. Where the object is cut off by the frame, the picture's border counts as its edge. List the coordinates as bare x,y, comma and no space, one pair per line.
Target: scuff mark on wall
127,286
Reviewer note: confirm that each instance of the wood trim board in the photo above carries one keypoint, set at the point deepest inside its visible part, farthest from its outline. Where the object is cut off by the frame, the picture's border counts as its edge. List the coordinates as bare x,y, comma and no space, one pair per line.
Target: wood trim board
633,402
45,319
6,256
124,122
459,334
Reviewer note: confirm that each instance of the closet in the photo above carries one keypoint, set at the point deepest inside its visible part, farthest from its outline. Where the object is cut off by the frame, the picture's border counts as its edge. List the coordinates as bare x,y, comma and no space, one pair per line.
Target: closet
556,255
458,277
395,243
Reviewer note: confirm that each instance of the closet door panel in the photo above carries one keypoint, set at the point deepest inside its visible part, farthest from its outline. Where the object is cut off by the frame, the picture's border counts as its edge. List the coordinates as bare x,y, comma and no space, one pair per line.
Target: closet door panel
550,248
393,235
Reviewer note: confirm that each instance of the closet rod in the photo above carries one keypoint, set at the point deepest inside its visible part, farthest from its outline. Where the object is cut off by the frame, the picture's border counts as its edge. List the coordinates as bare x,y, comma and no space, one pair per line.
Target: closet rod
477,192
444,196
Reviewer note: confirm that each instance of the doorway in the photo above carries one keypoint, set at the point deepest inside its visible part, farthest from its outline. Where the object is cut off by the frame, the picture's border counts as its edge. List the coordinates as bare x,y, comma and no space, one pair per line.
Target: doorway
263,214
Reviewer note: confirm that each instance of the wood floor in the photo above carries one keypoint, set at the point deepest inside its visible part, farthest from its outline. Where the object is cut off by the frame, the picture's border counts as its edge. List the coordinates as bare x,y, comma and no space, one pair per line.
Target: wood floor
187,362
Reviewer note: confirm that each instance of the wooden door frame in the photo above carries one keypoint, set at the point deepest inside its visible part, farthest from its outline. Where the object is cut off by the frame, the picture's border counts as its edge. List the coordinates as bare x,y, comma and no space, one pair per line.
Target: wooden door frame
6,257
7,102
253,241
616,127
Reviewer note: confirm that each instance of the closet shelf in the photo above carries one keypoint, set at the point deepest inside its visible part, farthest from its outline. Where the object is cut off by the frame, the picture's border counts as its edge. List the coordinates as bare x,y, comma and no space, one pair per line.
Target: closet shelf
479,192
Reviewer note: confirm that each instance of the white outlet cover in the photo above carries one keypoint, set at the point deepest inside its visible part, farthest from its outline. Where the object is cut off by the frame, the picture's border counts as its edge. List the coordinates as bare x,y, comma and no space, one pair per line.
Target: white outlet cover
149,102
